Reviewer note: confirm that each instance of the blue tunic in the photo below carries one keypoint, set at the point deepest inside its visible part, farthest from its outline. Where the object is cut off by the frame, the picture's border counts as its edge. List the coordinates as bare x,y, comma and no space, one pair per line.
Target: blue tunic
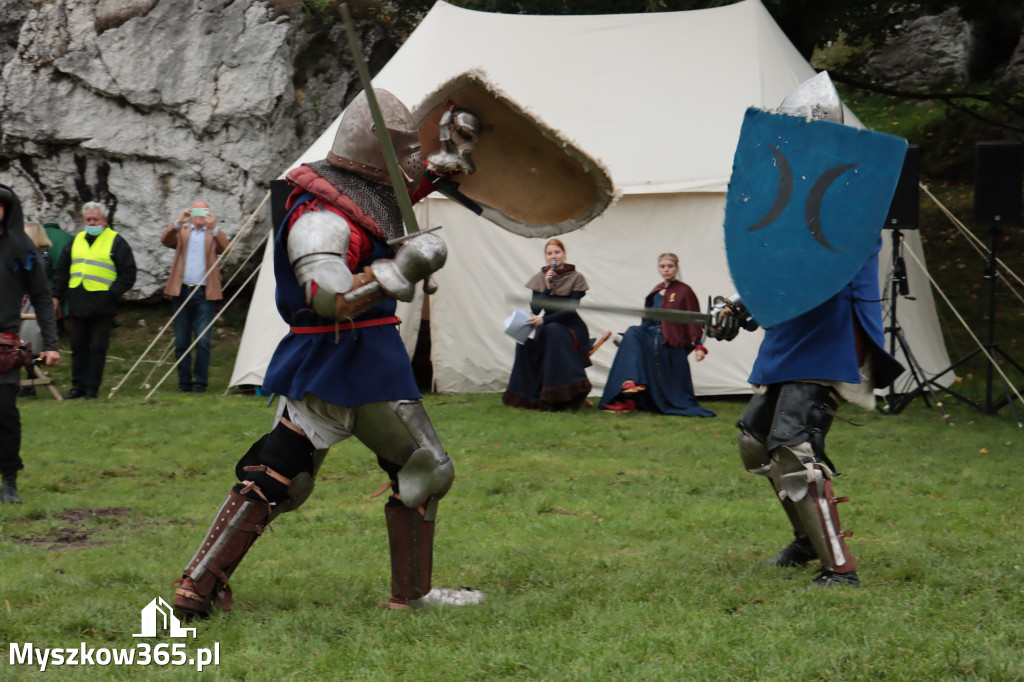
354,367
821,344
644,359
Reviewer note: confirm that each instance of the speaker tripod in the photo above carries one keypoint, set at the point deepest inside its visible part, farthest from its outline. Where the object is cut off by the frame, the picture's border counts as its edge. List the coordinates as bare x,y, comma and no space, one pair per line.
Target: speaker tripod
993,353
897,402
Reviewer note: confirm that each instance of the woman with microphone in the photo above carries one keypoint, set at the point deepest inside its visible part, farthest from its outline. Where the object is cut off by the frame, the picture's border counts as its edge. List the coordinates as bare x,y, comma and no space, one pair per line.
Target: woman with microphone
549,372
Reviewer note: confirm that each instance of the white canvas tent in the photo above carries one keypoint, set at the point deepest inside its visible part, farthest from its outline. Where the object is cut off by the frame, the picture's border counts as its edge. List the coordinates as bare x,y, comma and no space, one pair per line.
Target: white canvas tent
659,99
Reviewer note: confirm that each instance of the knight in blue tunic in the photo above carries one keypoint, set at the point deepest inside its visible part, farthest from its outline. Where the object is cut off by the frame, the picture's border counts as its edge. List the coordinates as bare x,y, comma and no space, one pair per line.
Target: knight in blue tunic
342,369
806,366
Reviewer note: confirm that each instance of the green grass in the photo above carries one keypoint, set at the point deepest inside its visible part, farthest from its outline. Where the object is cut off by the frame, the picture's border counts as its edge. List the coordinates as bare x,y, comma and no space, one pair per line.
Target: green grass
610,546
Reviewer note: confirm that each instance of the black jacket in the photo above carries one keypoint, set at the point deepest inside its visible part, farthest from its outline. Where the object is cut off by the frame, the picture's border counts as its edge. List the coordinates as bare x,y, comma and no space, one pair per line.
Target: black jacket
21,274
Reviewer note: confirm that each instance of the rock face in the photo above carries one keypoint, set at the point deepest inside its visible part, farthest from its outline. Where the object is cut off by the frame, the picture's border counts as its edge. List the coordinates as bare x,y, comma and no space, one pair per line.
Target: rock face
149,105
926,48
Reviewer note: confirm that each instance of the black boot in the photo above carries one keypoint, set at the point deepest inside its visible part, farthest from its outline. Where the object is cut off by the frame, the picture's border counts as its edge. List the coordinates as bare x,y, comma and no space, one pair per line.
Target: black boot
9,489
797,553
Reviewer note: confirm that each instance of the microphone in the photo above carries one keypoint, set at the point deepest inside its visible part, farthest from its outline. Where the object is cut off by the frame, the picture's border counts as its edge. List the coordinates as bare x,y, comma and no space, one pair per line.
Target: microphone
554,263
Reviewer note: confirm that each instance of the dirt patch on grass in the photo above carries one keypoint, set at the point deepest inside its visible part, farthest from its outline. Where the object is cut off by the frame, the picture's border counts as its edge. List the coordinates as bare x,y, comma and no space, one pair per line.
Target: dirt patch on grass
73,536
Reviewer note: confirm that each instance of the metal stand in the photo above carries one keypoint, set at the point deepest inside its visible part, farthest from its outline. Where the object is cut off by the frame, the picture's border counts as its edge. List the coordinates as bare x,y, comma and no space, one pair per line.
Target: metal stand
897,402
991,405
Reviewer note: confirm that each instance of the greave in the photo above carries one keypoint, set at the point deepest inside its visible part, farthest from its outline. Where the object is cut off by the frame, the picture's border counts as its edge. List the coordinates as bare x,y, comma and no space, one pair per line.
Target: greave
236,527
819,515
411,540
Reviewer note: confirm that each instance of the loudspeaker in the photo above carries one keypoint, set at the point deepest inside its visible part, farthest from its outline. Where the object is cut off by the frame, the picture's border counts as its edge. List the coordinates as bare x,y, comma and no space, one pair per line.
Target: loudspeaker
906,198
279,191
997,182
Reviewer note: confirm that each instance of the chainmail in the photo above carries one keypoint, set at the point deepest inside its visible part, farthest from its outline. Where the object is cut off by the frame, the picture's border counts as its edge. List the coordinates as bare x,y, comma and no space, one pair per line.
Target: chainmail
376,201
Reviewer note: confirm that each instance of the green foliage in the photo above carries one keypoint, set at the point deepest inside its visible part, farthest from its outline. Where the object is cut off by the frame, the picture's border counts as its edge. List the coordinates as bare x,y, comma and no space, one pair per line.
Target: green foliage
610,546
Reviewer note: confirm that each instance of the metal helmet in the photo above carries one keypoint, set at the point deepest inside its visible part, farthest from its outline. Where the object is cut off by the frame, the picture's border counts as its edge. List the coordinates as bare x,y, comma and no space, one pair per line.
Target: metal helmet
816,98
356,148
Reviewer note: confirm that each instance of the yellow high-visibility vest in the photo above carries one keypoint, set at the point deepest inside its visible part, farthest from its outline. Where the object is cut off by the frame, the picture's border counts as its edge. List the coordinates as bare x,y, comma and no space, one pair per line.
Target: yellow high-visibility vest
92,266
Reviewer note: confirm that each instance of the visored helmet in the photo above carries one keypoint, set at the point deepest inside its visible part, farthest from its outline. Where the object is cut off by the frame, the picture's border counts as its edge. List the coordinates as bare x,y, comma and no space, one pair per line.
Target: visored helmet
816,98
356,148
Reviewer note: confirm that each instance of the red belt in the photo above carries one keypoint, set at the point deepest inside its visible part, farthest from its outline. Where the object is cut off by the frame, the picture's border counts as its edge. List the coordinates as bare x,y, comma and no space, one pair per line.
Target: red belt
346,326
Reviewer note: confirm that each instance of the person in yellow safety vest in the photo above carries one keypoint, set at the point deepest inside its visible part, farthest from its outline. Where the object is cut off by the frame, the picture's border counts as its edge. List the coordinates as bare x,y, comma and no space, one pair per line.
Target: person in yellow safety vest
95,269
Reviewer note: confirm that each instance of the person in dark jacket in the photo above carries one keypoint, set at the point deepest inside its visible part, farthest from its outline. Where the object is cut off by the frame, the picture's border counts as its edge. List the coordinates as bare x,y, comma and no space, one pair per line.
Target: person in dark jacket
20,276
549,372
93,272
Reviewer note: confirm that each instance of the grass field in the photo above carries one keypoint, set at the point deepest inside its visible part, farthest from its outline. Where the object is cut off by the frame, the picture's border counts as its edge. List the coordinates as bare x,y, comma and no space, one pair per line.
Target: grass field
610,546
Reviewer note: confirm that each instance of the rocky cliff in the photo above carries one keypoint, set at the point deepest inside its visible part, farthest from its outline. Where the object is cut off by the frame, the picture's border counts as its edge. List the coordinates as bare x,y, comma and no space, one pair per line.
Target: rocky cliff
149,105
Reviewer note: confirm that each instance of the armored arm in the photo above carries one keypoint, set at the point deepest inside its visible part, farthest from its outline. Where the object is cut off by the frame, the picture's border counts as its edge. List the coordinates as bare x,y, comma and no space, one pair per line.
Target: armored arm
459,130
728,315
317,249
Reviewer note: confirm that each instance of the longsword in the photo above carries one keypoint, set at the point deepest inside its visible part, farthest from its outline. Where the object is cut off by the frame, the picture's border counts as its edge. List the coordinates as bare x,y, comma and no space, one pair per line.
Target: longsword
658,314
395,173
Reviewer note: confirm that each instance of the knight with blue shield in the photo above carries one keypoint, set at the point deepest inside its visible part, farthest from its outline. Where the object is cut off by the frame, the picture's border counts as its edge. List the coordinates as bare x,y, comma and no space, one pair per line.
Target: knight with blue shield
833,350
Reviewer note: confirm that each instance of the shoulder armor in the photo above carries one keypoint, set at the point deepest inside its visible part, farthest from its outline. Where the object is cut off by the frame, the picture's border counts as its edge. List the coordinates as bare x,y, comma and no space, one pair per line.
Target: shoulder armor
317,247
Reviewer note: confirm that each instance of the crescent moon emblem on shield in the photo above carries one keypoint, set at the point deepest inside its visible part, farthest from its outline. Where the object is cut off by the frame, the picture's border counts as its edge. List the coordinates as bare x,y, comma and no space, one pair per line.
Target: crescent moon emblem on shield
812,210
783,195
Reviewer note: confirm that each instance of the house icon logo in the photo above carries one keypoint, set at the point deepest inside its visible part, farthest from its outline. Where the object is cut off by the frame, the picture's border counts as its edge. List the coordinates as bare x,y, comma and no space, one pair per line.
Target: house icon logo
158,615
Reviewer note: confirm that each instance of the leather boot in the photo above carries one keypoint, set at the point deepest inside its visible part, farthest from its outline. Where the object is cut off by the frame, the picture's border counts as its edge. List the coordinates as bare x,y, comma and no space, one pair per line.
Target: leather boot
9,488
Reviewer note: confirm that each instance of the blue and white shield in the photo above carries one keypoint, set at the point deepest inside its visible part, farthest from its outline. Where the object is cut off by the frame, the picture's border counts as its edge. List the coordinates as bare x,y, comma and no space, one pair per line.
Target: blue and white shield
806,204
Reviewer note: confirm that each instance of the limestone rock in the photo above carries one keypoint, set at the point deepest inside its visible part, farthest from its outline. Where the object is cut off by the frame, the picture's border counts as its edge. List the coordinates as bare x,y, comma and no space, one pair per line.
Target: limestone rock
149,105
926,49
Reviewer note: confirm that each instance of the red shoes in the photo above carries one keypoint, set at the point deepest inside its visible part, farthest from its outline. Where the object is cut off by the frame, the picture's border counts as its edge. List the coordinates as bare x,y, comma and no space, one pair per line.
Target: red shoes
631,386
621,406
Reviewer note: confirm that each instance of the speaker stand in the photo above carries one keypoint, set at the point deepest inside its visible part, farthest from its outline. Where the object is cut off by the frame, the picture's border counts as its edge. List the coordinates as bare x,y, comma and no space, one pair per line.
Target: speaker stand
897,402
991,404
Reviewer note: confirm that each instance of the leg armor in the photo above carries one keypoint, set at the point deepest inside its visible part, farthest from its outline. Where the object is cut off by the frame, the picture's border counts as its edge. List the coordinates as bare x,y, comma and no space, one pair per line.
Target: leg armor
408,449
808,484
803,475
274,473
755,427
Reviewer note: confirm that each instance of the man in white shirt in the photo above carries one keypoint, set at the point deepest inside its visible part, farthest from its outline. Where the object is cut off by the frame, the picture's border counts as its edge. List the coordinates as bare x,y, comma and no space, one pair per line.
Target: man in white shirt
194,285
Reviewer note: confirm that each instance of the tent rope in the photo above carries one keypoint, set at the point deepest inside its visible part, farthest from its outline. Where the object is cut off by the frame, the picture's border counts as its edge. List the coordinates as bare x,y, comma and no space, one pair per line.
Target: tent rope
967,327
245,226
170,342
254,272
977,243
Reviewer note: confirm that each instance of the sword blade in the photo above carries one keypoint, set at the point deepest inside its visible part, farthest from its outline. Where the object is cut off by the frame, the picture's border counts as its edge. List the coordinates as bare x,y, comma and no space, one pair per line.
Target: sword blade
390,155
658,314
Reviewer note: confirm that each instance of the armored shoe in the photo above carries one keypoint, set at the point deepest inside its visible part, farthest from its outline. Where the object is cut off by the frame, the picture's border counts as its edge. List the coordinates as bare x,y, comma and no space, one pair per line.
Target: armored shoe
440,596
797,553
9,489
831,579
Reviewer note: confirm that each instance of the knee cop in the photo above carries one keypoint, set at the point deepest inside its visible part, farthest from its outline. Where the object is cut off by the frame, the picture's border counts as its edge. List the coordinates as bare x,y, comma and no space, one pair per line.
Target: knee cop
408,449
277,469
754,425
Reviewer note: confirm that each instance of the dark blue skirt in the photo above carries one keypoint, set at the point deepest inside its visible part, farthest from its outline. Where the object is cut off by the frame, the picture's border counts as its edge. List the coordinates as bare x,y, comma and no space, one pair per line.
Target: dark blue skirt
665,371
549,372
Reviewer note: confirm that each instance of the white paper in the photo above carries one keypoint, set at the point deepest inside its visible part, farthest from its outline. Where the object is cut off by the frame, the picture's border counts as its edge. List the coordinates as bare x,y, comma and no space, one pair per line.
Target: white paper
516,326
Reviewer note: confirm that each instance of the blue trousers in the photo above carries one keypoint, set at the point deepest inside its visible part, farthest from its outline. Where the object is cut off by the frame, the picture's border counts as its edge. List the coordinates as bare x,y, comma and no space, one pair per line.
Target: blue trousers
192,318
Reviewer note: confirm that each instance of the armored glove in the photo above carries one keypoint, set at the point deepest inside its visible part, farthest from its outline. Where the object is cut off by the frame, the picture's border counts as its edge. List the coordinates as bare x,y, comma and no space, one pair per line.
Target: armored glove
728,315
418,258
459,132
